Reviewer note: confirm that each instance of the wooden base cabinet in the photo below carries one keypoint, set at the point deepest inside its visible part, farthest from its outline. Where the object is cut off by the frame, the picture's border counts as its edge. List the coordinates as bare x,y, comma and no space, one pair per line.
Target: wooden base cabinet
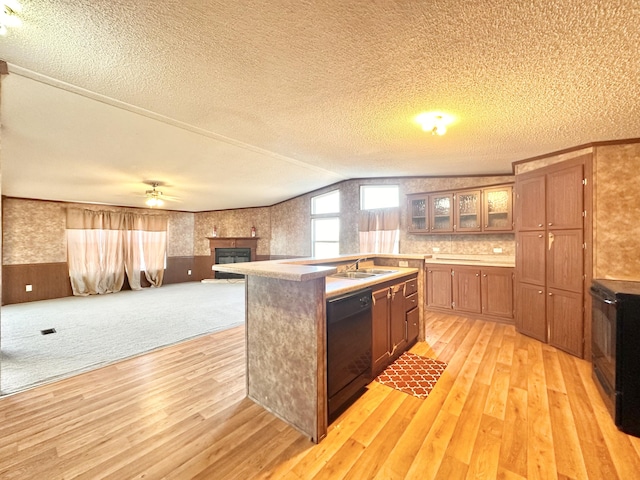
381,329
565,318
531,308
497,292
466,290
439,286
393,330
485,292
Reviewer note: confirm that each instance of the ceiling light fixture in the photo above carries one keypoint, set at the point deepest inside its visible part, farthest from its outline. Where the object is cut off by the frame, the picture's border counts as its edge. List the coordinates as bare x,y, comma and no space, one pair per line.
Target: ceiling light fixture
154,196
434,122
9,10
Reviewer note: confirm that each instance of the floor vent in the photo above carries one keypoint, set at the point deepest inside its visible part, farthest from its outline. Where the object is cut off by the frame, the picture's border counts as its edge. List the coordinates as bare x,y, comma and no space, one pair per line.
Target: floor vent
48,331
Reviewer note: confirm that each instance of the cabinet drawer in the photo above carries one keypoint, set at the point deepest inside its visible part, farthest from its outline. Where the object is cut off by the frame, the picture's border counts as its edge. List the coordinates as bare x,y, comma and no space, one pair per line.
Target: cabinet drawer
411,302
410,287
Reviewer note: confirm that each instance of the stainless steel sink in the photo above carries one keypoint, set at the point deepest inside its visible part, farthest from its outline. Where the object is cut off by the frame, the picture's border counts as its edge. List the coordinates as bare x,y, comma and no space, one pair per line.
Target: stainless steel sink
353,275
377,271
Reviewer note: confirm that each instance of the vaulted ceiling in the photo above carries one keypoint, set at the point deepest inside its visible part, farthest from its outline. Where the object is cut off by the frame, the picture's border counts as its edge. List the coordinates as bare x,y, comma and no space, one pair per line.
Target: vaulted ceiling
247,103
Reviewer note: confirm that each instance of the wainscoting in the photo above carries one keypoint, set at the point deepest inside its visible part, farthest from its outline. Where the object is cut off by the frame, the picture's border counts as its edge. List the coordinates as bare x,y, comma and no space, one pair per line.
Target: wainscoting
51,280
48,280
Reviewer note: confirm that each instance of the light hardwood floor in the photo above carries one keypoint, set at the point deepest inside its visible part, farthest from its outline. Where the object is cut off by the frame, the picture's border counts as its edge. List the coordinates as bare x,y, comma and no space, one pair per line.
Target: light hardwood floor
506,407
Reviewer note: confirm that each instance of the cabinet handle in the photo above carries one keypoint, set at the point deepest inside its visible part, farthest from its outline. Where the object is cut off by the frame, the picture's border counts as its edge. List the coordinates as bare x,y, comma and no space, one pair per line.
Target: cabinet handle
484,275
477,274
550,294
539,224
550,223
539,236
540,291
486,225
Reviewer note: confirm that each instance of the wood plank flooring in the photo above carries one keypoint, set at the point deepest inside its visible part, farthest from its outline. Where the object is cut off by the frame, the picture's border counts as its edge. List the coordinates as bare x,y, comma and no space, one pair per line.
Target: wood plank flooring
507,407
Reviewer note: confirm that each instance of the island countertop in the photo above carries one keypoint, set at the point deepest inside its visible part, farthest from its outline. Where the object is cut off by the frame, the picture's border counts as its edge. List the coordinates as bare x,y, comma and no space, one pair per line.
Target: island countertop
303,269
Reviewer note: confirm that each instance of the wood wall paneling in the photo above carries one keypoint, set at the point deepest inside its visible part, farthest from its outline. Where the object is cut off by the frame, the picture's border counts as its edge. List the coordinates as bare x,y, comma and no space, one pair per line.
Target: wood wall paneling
48,280
177,270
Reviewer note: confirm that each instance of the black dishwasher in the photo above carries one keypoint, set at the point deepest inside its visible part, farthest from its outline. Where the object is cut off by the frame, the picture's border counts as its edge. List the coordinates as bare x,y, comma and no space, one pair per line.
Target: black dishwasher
348,348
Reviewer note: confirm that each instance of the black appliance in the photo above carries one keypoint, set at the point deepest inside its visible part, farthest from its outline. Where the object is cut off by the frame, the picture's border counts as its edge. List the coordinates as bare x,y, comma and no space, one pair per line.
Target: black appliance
616,350
348,348
232,255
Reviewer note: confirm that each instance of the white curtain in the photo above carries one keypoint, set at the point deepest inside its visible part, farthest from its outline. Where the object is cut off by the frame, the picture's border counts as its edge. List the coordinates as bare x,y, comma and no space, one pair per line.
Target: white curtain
378,230
103,245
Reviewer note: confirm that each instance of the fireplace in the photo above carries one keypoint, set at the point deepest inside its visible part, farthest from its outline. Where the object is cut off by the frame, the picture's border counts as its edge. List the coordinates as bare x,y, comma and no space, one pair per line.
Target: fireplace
231,255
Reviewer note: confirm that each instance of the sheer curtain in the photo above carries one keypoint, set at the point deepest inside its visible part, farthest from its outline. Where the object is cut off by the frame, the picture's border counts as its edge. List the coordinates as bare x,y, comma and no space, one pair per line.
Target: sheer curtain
103,245
379,229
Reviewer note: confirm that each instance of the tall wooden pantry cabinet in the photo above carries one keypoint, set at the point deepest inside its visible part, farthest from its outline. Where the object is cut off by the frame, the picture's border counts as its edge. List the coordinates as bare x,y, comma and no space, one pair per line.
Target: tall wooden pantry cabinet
550,254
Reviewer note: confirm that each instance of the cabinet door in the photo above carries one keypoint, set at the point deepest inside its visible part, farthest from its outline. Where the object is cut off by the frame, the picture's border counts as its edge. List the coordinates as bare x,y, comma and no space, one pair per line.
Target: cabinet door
530,203
380,335
531,257
497,209
413,325
438,286
466,290
566,326
530,311
418,214
441,212
565,198
565,260
468,209
497,292
398,321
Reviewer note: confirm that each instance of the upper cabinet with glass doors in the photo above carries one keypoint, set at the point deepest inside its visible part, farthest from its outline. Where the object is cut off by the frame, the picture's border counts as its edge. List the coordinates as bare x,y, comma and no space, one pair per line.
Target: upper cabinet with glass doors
468,211
462,211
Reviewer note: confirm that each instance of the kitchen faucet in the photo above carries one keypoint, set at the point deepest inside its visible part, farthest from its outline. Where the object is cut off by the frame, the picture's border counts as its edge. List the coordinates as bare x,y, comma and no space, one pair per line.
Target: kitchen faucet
354,265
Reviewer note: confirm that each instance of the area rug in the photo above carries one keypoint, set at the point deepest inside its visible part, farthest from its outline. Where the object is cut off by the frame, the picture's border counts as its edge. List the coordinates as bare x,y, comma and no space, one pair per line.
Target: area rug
412,374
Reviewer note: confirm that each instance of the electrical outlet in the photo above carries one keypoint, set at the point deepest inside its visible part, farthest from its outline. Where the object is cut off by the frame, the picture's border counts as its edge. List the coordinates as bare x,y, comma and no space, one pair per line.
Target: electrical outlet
436,249
28,288
497,250
188,272
403,263
211,267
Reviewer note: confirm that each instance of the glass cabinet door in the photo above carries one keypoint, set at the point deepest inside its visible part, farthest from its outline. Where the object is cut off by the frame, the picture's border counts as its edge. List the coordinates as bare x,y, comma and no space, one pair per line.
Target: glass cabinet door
441,212
418,214
468,208
498,209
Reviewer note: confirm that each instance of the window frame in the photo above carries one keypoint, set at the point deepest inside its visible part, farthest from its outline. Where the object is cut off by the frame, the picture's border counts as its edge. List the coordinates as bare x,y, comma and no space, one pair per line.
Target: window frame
322,216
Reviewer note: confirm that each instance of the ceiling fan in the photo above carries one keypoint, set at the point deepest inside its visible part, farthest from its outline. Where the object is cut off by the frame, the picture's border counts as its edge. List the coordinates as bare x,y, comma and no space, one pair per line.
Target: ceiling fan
154,197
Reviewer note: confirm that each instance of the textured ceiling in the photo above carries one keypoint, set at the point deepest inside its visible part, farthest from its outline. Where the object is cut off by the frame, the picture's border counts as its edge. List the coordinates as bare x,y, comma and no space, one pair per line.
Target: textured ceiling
248,103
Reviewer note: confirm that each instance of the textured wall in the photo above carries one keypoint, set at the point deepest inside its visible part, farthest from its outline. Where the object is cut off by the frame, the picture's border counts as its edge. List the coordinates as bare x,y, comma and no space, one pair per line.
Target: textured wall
34,230
617,212
291,225
233,223
544,162
180,241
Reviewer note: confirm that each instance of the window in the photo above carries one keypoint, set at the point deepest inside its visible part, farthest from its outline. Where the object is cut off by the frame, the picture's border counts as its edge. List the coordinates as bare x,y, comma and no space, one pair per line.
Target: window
379,196
379,218
325,224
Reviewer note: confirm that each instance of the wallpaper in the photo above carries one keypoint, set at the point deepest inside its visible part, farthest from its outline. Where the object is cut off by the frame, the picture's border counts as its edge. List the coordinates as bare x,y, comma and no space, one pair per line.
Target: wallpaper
617,212
34,230
544,162
291,220
233,223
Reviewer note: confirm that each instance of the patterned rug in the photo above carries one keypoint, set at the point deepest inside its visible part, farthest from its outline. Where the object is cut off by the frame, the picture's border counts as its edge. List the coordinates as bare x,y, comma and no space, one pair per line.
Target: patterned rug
412,374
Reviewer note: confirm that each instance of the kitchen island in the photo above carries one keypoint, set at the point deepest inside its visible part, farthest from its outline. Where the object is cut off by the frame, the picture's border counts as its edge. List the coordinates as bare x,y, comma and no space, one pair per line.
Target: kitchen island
286,331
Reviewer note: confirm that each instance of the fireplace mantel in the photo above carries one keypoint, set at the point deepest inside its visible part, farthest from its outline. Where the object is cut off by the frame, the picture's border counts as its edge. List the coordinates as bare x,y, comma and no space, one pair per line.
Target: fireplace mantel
233,242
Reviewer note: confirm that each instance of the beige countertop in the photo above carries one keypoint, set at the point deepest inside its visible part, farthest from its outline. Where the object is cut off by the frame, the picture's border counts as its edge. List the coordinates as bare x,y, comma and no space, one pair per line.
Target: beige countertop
507,261
300,270
338,286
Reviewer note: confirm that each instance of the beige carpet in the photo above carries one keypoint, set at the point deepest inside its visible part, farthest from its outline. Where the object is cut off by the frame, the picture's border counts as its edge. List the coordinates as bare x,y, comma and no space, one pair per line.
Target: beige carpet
101,329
